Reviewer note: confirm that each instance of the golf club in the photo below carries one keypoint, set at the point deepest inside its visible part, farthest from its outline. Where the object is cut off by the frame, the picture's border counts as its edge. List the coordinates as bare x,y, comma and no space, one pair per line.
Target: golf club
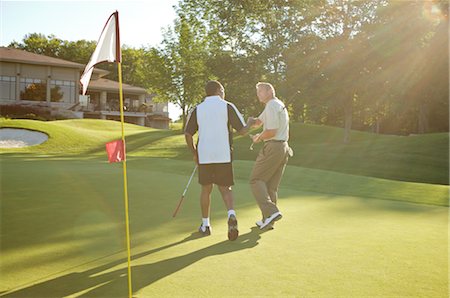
184,192
251,146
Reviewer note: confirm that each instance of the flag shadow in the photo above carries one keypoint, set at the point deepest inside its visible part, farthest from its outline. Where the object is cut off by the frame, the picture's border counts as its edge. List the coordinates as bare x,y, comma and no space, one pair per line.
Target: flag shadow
97,283
138,141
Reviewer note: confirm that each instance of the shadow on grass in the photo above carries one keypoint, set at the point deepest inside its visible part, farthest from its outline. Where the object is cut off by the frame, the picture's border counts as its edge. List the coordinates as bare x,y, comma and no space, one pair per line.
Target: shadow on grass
96,282
138,141
134,143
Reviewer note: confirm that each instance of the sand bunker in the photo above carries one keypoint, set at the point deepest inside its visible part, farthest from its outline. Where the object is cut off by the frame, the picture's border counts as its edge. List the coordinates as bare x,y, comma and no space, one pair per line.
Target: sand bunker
17,138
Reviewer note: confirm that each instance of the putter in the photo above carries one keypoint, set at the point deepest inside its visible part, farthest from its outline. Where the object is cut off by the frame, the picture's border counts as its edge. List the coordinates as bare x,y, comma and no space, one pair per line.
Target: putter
184,192
251,146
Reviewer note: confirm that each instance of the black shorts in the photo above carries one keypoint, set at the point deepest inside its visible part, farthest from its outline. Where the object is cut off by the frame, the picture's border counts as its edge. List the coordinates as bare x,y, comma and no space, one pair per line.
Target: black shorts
216,173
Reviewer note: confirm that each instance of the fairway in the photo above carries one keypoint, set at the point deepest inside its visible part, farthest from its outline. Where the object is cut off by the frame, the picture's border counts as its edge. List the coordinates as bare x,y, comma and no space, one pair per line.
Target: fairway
342,235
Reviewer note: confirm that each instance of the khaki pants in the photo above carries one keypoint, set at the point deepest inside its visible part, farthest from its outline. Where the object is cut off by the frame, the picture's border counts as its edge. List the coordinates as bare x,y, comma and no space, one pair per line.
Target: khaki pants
266,175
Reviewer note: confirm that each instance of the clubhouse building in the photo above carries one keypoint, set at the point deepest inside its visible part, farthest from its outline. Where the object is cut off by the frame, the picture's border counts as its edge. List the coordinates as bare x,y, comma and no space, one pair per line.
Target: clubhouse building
29,79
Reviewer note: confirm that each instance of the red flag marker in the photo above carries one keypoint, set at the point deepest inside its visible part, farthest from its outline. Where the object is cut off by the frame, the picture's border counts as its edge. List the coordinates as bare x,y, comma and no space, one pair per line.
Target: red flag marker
116,151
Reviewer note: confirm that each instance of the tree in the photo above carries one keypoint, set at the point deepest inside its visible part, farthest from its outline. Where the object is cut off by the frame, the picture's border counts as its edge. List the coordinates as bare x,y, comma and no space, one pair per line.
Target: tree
178,69
34,91
378,64
408,47
246,41
39,44
305,85
56,94
79,51
341,24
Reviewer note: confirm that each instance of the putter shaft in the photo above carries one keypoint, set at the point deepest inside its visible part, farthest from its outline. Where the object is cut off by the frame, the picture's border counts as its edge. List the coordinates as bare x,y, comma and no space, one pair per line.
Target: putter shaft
184,192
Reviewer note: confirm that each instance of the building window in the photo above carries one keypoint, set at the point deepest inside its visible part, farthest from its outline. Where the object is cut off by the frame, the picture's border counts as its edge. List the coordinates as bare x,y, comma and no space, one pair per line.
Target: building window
62,91
7,87
33,89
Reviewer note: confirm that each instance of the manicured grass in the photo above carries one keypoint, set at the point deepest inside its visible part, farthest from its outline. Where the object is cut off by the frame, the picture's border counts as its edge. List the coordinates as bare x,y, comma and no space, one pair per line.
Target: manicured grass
420,158
343,234
85,139
63,235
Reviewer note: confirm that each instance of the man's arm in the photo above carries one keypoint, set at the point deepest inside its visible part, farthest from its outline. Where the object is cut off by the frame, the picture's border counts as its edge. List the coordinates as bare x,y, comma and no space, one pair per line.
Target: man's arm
237,121
258,122
190,130
265,135
250,124
191,146
271,124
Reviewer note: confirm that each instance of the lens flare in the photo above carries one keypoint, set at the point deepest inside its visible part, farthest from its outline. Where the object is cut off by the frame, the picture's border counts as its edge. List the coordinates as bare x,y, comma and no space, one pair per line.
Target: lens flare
432,12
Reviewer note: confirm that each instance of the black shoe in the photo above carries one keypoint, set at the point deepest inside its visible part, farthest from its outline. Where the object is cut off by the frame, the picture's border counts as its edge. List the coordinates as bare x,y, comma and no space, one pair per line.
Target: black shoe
233,231
204,231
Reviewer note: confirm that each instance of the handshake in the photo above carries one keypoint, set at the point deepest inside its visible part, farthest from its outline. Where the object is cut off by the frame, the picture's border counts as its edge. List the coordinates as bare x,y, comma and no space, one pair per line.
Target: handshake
251,121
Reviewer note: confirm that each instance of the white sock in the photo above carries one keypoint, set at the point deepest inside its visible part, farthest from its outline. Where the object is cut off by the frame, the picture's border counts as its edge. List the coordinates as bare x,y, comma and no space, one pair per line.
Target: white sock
231,212
205,222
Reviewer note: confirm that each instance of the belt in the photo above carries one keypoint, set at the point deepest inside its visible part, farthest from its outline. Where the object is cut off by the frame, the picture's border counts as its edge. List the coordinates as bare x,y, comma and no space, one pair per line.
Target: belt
275,141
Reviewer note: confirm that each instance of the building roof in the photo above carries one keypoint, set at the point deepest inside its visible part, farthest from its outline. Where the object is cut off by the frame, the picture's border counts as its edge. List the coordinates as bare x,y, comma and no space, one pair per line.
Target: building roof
108,85
21,56
97,83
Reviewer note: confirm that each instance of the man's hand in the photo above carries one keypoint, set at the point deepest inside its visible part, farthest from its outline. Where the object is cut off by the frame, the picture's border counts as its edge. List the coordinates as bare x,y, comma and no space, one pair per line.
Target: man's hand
251,121
258,122
256,139
190,145
195,157
254,122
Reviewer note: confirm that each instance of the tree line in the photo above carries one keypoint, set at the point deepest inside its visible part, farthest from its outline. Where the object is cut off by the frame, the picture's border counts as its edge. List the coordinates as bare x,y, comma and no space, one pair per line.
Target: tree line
373,65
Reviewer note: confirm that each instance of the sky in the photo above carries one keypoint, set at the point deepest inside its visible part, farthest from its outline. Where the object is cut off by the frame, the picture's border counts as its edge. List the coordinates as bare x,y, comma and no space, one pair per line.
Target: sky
141,22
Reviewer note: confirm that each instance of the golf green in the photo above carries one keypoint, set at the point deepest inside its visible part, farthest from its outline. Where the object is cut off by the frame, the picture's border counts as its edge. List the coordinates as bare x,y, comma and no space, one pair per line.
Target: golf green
344,233
63,234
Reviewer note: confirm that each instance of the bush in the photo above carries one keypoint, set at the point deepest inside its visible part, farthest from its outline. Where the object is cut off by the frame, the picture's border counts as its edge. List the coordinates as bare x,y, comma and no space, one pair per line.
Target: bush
19,111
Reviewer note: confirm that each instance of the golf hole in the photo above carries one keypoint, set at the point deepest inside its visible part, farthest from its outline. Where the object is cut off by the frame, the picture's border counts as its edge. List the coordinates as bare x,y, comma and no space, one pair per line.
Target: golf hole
19,138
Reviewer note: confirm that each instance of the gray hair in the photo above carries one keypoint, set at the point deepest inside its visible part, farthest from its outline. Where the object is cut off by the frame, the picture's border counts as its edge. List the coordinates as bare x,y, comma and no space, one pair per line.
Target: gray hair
266,86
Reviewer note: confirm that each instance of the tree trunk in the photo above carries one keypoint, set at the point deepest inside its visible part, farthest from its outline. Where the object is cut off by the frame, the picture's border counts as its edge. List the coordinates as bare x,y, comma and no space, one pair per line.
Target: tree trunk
348,120
423,118
299,113
183,115
303,114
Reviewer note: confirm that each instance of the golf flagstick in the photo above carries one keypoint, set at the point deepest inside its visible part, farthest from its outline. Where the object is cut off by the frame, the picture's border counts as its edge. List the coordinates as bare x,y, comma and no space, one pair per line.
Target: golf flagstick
184,192
108,50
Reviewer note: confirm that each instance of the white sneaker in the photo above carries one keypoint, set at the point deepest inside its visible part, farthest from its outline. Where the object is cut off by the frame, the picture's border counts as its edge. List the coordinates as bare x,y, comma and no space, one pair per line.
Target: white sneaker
274,217
259,223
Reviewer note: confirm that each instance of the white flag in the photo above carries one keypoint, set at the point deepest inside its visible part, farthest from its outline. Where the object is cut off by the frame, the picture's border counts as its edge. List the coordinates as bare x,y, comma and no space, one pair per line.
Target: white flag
107,50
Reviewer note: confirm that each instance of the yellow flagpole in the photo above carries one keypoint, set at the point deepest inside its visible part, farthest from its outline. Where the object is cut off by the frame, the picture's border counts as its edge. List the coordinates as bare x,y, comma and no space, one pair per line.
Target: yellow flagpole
130,291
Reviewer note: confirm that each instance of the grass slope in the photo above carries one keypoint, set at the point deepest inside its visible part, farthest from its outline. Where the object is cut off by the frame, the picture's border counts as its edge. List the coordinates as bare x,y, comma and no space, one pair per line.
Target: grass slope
421,158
